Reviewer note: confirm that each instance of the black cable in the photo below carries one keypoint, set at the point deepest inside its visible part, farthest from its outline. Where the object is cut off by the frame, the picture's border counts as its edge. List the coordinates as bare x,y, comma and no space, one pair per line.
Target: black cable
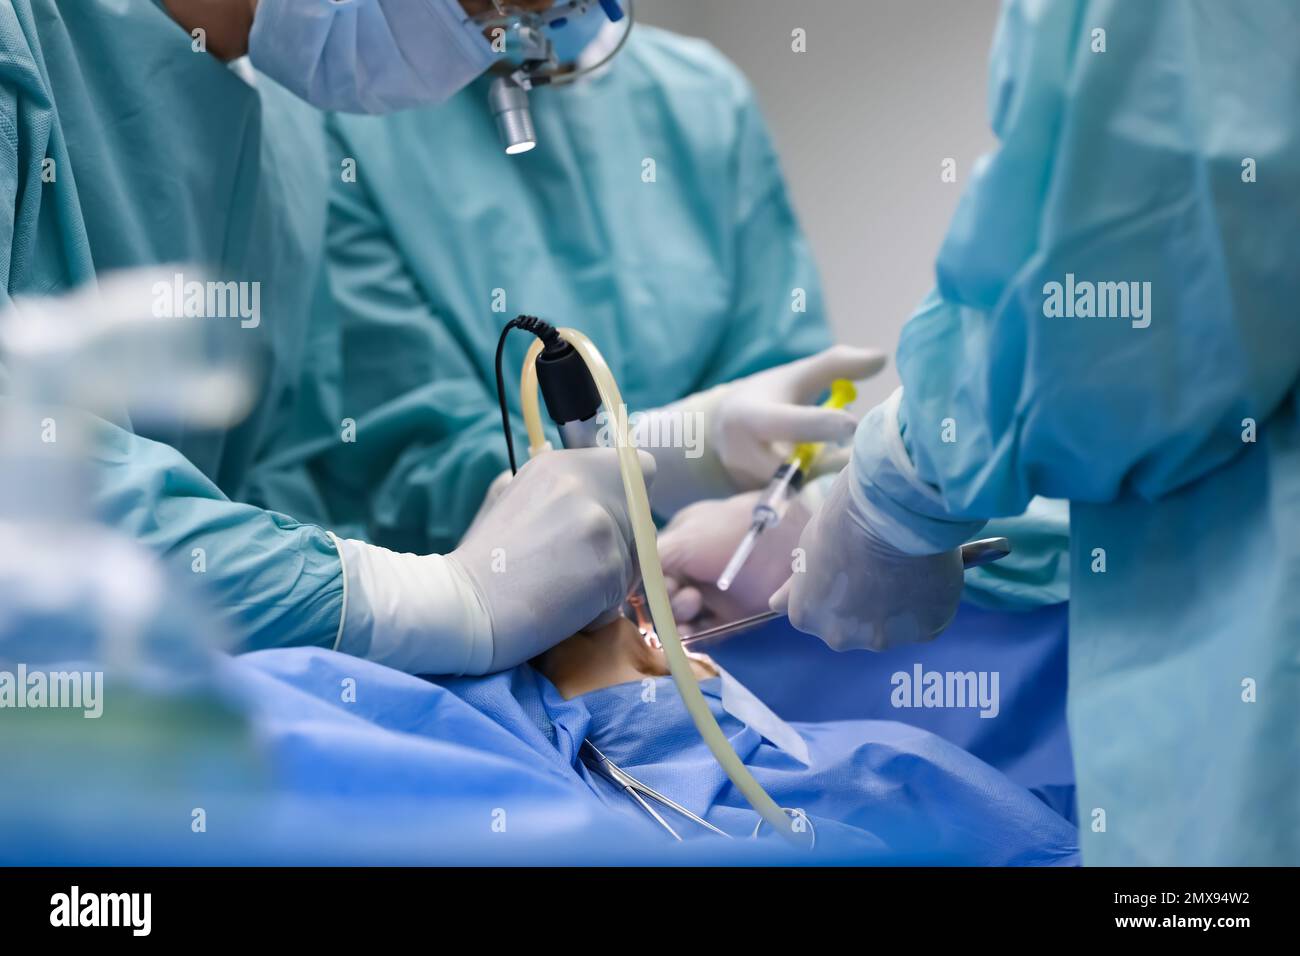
550,338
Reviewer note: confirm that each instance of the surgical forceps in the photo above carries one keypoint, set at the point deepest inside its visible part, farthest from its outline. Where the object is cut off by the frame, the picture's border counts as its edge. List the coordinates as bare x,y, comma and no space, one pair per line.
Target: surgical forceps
639,791
973,554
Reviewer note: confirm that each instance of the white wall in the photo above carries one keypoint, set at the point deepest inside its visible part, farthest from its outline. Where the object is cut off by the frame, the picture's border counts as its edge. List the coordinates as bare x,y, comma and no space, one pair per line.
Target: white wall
886,90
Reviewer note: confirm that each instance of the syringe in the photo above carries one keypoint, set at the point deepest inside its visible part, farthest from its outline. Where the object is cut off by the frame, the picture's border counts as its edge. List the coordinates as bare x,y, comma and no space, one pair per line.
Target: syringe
785,484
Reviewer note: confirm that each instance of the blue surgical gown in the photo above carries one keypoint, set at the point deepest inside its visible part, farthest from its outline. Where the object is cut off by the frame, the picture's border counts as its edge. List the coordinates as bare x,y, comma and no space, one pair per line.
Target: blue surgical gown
160,155
652,215
1171,156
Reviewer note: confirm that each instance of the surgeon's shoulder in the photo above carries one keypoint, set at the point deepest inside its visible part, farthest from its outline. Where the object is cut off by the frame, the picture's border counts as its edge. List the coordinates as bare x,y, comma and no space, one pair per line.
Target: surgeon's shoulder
291,124
688,65
21,78
279,106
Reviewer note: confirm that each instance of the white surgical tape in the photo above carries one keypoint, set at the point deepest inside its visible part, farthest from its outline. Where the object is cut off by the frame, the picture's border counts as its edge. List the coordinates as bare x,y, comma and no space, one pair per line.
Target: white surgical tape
740,702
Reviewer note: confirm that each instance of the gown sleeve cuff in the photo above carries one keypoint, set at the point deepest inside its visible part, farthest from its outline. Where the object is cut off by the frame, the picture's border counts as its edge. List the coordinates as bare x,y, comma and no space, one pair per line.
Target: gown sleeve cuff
891,498
417,613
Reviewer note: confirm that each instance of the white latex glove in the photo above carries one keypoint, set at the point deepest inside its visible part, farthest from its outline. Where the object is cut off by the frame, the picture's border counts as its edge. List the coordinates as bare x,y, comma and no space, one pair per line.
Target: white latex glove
857,590
757,420
698,543
553,554
750,426
490,498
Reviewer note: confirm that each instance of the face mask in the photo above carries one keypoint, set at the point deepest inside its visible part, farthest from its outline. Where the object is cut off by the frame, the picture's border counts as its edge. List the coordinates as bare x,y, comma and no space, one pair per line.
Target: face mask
368,56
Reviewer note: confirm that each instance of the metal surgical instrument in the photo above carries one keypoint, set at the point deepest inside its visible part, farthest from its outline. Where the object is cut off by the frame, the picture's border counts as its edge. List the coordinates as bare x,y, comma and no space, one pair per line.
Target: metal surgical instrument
639,791
973,554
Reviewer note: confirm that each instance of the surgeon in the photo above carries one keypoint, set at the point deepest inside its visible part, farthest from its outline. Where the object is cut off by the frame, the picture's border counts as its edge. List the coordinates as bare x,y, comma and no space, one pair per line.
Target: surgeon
651,214
1115,323
128,141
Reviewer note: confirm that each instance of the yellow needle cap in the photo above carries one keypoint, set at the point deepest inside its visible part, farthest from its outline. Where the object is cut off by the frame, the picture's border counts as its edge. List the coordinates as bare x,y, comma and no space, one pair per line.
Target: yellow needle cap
842,395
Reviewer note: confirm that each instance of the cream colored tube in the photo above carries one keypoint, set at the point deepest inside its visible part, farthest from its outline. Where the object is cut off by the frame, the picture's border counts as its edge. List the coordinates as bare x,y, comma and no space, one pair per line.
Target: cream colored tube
652,574
528,400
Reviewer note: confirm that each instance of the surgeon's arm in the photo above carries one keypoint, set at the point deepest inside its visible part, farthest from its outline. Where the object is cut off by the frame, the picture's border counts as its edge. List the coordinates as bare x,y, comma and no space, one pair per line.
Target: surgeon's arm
274,581
1115,305
271,581
1112,168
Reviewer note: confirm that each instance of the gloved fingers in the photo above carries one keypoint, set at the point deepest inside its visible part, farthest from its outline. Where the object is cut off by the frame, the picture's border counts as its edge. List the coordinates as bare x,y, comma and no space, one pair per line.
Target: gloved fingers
813,375
687,603
780,601
598,472
687,516
498,486
599,465
751,460
816,621
799,618
675,549
684,593
802,423
832,460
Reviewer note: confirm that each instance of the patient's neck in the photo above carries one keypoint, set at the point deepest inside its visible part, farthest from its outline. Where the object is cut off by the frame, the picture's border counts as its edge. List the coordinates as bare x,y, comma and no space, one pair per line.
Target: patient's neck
614,654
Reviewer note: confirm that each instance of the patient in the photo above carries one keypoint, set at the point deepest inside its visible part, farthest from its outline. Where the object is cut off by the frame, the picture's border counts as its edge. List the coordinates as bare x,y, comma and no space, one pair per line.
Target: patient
440,756
879,789
614,654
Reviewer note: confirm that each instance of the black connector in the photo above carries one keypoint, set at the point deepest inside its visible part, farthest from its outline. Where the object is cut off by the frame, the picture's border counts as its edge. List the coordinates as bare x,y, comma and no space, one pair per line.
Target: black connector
567,387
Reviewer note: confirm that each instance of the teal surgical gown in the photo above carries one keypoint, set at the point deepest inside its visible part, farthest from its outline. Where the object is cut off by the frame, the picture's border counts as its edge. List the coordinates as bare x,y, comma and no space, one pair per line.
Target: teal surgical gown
687,271
160,155
1171,156
652,216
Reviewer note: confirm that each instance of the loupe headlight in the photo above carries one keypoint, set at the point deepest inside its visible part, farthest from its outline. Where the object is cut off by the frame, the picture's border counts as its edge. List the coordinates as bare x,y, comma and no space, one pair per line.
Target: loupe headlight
509,103
529,52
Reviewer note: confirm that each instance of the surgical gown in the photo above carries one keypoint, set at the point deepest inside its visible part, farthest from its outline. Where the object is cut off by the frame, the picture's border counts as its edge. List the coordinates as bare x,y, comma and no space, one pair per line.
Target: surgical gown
1149,142
160,155
652,216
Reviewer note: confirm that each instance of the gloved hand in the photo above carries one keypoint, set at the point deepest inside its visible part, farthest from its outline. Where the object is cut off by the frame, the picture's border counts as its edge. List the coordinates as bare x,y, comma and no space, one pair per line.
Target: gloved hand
490,498
859,591
750,426
699,541
551,556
